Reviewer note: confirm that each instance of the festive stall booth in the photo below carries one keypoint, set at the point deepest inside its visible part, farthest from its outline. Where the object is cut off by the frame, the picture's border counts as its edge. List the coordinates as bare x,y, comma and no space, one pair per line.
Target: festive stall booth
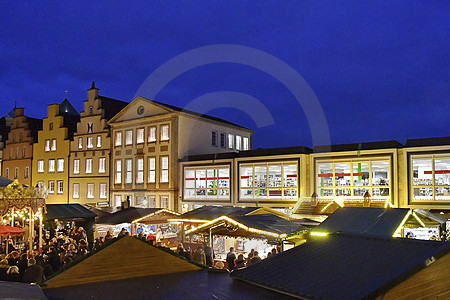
62,219
392,222
24,207
205,214
260,232
153,221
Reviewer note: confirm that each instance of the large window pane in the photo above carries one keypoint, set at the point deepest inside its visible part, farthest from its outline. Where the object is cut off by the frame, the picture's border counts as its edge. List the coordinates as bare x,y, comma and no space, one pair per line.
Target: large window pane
380,192
325,175
360,174
342,173
442,171
442,193
200,181
246,177
275,176
422,172
189,179
224,178
423,193
260,176
380,173
343,192
290,175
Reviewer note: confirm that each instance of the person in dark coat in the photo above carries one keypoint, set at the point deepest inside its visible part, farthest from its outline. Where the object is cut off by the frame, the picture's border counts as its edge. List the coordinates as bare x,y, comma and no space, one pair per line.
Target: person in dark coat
34,272
22,263
3,268
231,257
255,258
53,259
240,261
13,274
209,253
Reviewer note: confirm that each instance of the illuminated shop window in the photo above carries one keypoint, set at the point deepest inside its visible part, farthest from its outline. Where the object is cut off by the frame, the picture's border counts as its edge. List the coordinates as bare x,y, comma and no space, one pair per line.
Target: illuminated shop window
268,181
353,178
207,183
430,178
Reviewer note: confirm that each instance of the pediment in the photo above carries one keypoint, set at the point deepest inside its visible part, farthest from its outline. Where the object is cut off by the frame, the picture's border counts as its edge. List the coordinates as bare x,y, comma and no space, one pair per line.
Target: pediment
140,108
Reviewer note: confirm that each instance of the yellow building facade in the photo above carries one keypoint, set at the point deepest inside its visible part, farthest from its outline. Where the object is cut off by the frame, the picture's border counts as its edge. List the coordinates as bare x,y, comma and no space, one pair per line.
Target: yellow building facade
149,138
51,152
89,178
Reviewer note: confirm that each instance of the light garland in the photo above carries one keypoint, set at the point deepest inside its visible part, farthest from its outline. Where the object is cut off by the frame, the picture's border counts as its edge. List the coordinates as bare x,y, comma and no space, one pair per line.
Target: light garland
240,225
399,228
187,221
155,213
318,233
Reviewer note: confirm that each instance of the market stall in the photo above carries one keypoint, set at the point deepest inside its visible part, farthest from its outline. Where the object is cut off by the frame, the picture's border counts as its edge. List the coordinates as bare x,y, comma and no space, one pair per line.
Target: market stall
61,219
136,220
9,232
261,232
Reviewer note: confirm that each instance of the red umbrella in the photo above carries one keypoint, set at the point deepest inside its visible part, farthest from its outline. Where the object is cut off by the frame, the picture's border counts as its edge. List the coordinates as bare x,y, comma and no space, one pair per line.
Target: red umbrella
9,230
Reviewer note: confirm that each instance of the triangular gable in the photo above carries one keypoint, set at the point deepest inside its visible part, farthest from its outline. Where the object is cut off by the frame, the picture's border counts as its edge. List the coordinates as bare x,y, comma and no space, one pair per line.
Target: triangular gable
140,108
270,211
126,258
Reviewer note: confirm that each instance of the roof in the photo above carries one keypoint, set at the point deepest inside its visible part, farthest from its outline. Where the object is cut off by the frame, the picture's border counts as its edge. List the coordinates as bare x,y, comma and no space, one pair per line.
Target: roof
179,109
342,266
66,109
432,282
19,290
34,125
126,215
436,141
4,182
375,221
430,215
262,225
201,284
250,153
358,146
67,212
127,257
111,106
209,213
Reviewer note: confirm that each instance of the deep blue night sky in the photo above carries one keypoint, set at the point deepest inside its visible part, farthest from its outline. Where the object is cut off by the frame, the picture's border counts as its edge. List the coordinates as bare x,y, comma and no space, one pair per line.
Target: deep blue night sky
380,70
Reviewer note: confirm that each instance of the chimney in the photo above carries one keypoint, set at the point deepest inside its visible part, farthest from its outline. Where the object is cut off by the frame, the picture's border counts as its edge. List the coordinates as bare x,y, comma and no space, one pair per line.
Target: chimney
92,92
19,111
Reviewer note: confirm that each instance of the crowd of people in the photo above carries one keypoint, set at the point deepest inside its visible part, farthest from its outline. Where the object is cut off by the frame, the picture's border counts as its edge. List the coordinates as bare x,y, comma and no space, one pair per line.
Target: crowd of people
253,257
33,267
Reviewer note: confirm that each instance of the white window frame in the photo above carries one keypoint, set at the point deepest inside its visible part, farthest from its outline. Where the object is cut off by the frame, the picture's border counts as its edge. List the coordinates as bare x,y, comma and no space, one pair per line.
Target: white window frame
88,166
164,201
118,139
140,170
76,166
245,143
16,172
214,138
90,142
99,141
152,134
164,169
152,169
90,191
80,143
47,146
128,137
165,135
230,141
41,166
51,165
128,171
76,191
27,172
238,142
60,187
118,172
51,186
103,190
60,165
102,164
140,136
53,148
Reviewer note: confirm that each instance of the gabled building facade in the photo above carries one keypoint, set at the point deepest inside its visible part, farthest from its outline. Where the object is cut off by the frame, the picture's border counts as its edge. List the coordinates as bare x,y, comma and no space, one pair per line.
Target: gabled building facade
52,149
18,151
150,137
5,123
90,157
